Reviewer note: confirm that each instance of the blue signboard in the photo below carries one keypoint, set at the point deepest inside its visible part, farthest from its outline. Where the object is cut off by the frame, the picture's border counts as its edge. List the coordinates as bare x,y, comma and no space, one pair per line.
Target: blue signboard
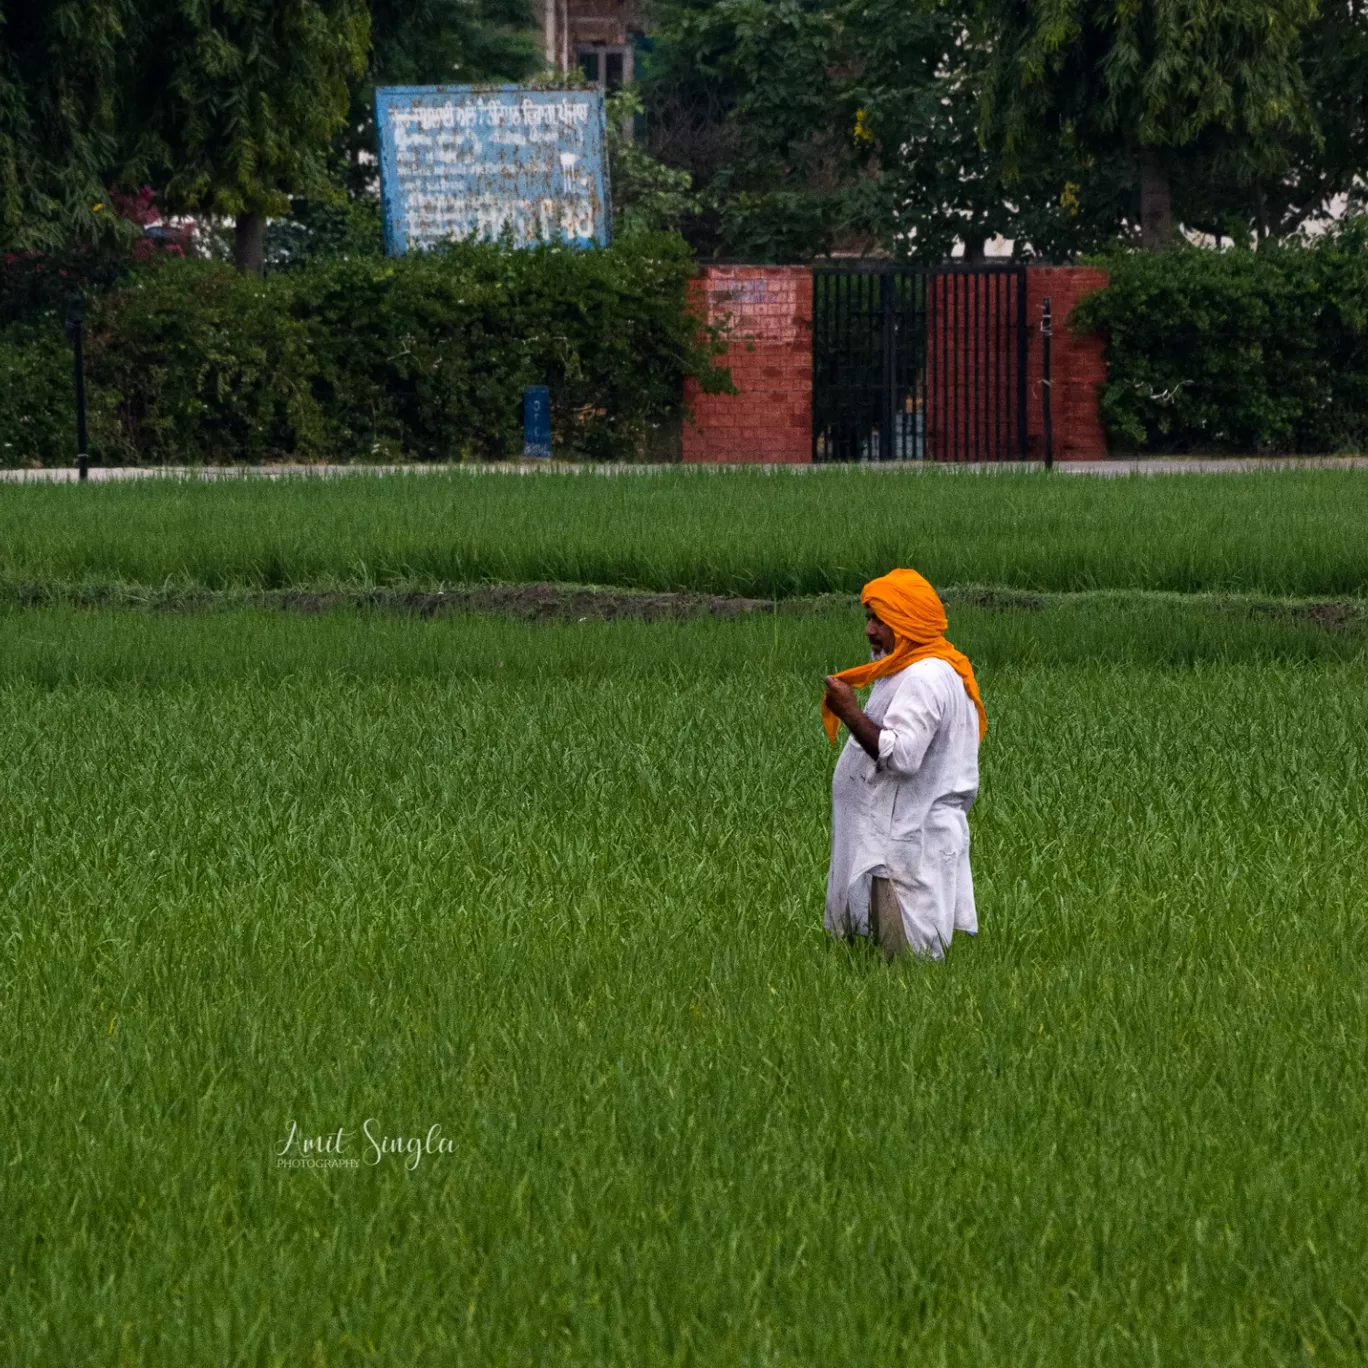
492,162
536,421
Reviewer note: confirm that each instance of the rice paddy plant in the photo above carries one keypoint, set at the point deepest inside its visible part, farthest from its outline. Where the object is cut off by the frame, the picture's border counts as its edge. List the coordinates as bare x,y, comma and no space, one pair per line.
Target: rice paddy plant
557,891
734,532
77,646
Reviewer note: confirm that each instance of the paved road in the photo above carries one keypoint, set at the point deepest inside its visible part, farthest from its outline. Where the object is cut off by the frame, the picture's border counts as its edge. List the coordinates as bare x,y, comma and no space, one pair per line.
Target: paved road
1157,465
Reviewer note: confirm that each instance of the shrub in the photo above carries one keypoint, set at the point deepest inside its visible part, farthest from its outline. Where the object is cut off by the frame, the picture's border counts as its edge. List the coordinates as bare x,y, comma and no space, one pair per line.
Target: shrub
202,364
358,358
1261,351
430,354
37,407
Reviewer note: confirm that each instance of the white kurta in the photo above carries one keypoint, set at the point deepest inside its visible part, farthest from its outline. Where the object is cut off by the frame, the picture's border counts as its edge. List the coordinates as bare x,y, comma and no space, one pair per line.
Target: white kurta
904,817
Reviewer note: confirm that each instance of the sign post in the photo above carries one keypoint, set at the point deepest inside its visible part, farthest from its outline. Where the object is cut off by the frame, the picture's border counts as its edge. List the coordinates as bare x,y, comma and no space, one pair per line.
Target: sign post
512,164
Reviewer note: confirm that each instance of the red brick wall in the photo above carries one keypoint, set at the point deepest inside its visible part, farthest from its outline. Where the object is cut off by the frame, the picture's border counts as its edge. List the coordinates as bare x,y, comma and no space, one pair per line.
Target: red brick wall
768,310
1078,366
769,313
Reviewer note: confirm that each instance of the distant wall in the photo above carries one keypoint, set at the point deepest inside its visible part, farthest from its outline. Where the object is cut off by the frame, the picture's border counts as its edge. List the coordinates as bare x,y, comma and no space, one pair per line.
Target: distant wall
768,312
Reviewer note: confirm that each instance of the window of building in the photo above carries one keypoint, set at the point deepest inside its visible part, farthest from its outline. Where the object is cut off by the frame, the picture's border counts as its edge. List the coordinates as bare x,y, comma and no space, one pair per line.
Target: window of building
604,66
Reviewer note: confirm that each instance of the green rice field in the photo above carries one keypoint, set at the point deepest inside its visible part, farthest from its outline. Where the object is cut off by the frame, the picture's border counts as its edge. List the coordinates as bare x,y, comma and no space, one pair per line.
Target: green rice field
519,924
730,532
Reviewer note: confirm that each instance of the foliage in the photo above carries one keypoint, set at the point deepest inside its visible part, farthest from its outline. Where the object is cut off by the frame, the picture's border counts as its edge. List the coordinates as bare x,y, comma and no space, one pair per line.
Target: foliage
241,102
37,286
232,110
648,196
860,125
849,125
1213,89
429,356
423,357
743,94
917,75
37,407
1333,160
60,143
317,230
776,129
204,365
1238,351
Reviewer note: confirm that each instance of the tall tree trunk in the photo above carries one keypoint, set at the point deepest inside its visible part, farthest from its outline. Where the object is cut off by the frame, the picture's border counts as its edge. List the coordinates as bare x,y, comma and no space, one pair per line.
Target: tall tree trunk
249,244
1156,201
1261,213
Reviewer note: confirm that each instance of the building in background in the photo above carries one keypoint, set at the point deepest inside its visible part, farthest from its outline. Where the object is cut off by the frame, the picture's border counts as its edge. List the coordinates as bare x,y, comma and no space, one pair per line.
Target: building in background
601,37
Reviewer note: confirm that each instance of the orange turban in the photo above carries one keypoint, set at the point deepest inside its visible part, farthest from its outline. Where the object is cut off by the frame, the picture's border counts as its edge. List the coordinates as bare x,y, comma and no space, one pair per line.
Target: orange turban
904,601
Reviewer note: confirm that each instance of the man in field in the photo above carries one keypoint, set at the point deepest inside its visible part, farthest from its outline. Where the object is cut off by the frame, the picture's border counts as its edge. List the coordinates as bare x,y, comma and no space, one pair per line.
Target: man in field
907,778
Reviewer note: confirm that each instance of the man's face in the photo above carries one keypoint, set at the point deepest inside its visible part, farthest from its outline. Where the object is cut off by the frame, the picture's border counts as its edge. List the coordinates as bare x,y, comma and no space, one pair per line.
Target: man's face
879,634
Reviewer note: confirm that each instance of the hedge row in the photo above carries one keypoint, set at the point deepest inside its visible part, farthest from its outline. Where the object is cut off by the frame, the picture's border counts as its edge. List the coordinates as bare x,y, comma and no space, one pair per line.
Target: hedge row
1239,351
420,358
426,357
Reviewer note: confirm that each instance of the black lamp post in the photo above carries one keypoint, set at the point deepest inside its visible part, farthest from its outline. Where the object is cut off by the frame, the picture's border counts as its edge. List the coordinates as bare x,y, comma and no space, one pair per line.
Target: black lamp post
75,318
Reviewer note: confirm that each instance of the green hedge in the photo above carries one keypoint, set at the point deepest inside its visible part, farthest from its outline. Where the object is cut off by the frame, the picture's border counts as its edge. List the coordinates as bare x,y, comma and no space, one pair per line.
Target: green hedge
422,358
1240,351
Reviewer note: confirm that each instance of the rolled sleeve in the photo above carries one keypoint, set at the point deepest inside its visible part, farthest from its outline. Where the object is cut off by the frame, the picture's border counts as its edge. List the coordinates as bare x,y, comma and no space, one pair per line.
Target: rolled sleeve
887,740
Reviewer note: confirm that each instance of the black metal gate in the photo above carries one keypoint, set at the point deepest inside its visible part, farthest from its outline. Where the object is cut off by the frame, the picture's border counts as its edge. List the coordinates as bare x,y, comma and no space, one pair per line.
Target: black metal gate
915,363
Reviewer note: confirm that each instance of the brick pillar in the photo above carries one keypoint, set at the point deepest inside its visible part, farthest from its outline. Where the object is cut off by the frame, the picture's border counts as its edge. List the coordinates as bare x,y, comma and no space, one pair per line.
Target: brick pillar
768,313
1078,366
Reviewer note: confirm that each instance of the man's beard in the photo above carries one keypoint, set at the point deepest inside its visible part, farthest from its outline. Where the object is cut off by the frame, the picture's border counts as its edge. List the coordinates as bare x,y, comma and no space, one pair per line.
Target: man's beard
877,653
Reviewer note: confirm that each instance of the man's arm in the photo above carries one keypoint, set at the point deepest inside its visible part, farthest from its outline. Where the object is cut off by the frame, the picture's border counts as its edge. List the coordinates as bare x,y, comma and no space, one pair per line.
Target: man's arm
840,698
913,715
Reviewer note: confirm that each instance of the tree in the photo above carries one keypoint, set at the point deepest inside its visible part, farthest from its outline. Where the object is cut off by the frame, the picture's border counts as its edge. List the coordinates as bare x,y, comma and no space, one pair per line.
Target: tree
1158,86
846,125
1333,160
915,74
239,101
907,125
648,196
748,96
59,130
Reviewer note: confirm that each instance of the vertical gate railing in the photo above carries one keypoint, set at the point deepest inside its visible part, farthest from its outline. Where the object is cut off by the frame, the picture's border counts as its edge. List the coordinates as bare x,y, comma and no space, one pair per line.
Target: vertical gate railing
917,363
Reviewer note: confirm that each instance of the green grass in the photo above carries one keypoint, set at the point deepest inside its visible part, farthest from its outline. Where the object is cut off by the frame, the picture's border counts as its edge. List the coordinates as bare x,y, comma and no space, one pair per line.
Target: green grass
558,889
65,645
741,532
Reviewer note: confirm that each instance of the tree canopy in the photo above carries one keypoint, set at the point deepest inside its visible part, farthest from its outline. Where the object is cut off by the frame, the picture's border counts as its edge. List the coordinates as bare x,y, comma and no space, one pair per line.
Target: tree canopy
775,129
237,104
59,106
234,108
905,125
1162,85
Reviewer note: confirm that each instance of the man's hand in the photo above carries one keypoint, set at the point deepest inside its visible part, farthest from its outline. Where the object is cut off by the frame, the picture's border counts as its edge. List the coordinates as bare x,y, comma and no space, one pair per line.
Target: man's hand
840,698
